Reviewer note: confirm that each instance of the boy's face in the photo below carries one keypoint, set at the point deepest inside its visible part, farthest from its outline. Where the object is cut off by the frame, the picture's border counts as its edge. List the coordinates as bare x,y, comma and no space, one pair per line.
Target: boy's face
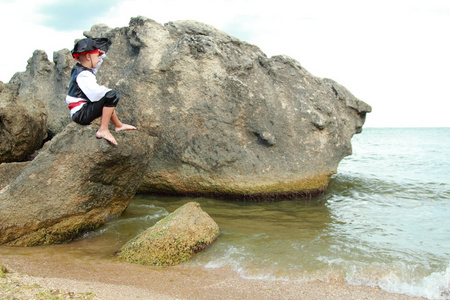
94,59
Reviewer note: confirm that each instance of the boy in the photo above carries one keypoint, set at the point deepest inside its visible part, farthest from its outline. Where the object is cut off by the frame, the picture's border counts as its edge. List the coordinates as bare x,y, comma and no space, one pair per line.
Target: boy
88,100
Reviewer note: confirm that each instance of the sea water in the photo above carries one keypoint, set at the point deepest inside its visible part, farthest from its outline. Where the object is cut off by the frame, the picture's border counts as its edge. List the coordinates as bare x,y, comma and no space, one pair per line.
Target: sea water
384,221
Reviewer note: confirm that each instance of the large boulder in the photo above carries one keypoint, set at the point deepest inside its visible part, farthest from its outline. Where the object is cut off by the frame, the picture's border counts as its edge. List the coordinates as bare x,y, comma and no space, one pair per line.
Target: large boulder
234,122
73,185
23,125
174,239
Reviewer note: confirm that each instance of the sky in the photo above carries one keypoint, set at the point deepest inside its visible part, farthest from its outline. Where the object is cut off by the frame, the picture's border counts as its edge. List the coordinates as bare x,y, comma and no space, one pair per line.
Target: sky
392,54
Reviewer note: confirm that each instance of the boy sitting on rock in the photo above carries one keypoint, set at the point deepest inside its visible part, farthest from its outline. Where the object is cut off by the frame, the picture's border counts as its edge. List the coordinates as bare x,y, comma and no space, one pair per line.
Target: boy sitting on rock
87,99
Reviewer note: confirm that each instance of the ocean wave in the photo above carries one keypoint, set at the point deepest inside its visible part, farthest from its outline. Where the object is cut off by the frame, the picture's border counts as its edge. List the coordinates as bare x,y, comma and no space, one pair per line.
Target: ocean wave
401,278
126,227
397,277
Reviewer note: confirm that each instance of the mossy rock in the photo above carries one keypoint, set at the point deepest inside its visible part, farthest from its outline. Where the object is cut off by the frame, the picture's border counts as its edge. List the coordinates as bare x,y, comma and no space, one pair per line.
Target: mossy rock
174,239
3,270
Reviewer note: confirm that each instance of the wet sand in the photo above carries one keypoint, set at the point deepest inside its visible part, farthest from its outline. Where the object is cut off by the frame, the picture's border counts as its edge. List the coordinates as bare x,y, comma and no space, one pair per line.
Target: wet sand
113,279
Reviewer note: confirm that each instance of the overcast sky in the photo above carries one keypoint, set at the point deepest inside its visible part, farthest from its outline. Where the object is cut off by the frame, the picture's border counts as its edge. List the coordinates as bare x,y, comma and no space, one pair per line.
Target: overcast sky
392,54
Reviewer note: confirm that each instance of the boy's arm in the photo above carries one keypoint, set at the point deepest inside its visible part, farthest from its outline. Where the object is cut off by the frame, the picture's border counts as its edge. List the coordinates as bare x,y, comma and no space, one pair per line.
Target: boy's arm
88,84
101,56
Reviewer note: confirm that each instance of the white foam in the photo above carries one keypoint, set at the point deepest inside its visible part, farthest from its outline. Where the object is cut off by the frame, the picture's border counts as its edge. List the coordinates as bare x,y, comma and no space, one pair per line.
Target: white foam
401,279
397,278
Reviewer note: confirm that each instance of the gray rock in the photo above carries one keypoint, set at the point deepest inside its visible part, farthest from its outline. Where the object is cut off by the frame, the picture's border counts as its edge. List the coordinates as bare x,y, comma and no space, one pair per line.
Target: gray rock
174,239
9,171
234,123
76,184
47,82
23,125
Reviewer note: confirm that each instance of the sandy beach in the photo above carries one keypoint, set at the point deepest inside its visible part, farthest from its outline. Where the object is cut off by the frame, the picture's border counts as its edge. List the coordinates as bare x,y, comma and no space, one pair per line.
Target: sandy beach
41,277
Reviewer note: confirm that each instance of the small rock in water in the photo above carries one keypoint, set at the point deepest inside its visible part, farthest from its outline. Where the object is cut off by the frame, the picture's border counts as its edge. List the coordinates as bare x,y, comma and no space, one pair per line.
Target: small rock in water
174,239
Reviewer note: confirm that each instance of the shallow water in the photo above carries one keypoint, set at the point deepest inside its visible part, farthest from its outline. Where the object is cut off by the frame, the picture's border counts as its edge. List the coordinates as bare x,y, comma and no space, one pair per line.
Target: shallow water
384,221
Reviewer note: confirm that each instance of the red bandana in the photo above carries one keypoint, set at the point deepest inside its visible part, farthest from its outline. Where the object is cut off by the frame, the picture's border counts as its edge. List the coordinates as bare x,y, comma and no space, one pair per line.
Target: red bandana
75,55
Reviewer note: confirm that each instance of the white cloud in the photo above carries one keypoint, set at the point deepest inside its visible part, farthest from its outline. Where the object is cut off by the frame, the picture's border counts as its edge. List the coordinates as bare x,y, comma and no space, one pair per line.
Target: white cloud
69,15
393,54
22,34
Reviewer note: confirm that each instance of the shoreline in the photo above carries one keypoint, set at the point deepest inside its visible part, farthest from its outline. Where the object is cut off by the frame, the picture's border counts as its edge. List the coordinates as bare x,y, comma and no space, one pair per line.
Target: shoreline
111,279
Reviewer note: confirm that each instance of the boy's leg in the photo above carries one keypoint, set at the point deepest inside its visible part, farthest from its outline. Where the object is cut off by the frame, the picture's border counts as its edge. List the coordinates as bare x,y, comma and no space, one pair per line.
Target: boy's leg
111,100
103,131
106,109
108,114
92,111
119,125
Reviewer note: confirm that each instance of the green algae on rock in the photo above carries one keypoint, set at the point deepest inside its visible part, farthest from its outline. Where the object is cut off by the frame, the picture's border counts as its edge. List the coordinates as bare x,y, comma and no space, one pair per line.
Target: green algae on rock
174,239
256,189
3,270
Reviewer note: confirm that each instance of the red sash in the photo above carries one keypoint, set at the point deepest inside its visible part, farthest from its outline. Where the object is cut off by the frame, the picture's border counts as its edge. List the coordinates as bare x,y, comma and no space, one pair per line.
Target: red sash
75,104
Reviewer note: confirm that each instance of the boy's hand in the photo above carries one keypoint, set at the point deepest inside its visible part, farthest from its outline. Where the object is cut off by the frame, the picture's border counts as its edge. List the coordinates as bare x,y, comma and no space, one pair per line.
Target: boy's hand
101,52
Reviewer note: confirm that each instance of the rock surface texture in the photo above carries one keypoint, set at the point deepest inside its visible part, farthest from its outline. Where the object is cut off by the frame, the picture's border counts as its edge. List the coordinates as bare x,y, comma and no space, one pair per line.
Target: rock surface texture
47,82
174,239
23,125
74,185
234,123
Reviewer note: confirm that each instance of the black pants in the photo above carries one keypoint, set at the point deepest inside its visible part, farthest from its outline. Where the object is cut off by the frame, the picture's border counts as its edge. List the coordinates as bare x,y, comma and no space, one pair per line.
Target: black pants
92,110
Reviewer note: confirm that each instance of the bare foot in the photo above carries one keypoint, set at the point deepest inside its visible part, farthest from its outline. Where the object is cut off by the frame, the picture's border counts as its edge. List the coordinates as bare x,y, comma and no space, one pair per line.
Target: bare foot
125,127
107,136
